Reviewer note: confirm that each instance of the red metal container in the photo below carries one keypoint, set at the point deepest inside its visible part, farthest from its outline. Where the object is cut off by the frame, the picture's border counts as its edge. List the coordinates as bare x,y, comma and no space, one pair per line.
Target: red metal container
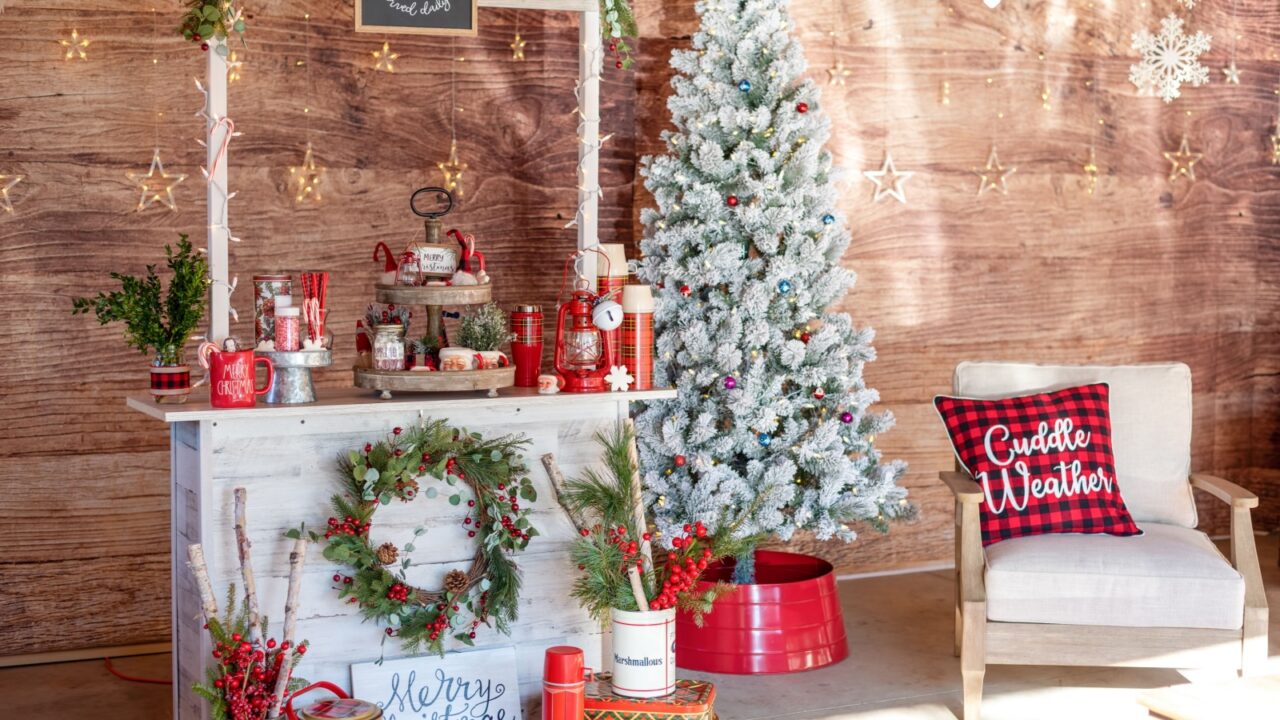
526,344
789,621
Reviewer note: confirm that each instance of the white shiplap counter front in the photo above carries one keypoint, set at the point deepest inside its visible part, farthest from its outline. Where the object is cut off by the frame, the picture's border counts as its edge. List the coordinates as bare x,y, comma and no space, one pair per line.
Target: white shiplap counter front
286,457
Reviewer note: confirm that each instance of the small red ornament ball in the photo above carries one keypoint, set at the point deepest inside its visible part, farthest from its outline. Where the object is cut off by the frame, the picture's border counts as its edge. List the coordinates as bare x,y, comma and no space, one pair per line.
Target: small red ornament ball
679,460
732,201
819,394
802,107
684,290
804,337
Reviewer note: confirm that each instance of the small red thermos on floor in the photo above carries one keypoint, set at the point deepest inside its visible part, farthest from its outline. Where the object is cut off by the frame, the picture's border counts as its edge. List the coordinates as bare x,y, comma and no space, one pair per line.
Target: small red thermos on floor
564,688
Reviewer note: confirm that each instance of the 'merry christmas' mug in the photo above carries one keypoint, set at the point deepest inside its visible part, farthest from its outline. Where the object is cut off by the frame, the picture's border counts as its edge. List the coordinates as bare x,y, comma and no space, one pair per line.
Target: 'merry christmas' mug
231,376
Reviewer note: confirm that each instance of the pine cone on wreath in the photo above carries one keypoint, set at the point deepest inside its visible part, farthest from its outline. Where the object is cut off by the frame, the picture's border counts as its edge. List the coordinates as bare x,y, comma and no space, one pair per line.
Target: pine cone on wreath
387,553
407,489
456,582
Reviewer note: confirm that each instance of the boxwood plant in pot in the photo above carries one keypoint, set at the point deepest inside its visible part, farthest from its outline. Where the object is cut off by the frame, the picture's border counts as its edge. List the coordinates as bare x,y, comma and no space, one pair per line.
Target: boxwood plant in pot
484,331
158,320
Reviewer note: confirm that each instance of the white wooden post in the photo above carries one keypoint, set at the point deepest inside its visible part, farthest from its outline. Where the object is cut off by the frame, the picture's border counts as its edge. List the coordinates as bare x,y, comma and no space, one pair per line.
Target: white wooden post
590,59
219,235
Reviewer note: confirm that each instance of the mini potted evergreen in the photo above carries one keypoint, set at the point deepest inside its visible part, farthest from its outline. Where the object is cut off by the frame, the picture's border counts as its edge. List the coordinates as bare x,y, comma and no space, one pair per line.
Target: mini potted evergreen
158,324
484,331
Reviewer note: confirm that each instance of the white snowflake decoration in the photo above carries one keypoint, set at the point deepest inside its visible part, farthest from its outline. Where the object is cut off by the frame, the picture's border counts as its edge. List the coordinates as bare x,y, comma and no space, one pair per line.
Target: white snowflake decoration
1169,59
1188,4
618,378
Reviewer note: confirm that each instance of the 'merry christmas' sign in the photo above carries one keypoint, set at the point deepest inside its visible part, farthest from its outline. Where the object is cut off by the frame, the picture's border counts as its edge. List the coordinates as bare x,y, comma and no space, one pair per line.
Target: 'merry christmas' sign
422,17
478,685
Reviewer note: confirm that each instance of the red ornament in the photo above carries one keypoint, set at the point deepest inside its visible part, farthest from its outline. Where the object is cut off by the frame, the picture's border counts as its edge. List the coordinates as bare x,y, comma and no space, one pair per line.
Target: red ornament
802,107
804,337
684,290
732,200
819,394
679,461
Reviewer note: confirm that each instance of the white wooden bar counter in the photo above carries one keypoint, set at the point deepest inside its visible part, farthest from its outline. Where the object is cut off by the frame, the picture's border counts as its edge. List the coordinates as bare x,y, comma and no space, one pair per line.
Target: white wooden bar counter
286,457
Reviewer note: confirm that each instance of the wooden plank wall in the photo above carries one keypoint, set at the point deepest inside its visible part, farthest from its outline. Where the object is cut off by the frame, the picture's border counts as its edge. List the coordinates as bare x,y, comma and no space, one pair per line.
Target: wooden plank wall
1144,270
84,483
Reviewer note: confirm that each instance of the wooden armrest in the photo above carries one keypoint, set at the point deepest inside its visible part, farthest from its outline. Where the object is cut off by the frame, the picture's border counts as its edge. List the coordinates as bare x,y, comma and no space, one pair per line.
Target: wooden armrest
1225,490
963,487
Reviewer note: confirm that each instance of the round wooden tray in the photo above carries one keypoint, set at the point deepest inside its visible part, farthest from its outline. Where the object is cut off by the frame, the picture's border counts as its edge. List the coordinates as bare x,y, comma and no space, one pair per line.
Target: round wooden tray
435,294
435,380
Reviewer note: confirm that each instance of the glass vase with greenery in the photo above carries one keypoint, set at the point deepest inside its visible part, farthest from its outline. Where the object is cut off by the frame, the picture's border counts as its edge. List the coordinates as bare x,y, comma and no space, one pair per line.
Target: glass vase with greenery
153,322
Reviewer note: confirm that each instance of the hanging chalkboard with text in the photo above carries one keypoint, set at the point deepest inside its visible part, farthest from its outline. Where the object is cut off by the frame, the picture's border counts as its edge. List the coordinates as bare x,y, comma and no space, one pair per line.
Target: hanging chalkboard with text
420,17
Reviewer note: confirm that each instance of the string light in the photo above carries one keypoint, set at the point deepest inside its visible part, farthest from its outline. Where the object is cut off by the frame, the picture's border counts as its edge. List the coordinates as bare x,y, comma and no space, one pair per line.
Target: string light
7,183
235,68
77,46
308,177
517,43
384,59
155,185
452,168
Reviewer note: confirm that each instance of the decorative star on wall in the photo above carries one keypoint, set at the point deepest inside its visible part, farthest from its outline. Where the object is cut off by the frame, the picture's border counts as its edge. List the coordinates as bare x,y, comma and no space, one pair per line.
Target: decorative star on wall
517,47
888,180
993,175
235,67
1275,144
307,178
77,46
156,185
1182,161
837,73
384,59
1232,73
452,170
7,183
1091,172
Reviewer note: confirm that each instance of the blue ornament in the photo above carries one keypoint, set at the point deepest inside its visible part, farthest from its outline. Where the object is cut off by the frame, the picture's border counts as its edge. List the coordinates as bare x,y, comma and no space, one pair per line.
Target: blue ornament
784,286
764,439
828,219
744,86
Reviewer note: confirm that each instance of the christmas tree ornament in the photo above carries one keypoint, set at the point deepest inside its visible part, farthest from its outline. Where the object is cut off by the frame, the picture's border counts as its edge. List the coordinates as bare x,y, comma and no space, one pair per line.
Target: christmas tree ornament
384,59
784,286
846,417
679,460
888,180
804,338
802,107
1169,59
76,46
828,219
730,382
764,439
744,85
1182,162
307,178
155,185
993,175
685,291
731,201
819,393
7,183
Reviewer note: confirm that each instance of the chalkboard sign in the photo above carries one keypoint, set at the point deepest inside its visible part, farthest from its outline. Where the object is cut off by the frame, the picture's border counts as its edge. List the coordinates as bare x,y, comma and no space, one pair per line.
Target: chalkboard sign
419,17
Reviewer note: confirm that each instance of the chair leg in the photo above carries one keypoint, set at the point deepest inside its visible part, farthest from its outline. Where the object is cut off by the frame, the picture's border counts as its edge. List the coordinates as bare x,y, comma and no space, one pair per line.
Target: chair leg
1253,656
959,620
973,656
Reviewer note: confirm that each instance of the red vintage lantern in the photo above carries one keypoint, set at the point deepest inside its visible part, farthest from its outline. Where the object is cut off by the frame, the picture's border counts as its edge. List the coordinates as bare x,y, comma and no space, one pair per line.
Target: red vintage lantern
582,348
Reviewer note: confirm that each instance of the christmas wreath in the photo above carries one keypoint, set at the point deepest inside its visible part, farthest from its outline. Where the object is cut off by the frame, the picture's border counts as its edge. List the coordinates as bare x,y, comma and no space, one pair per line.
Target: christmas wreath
489,476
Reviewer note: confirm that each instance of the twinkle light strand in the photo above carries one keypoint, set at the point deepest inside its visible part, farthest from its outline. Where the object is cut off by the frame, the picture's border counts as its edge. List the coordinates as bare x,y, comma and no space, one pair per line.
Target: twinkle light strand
308,177
582,217
77,46
452,168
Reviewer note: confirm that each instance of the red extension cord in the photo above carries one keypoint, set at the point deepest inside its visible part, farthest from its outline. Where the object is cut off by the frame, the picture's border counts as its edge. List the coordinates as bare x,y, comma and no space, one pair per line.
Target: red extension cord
129,678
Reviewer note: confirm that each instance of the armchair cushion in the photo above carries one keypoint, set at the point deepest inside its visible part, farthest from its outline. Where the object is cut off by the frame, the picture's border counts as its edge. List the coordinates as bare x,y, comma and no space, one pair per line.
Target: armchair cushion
1170,576
1150,424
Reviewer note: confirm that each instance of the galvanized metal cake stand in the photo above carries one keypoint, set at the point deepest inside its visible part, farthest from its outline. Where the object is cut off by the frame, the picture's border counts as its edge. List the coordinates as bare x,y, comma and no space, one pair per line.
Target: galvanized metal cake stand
292,383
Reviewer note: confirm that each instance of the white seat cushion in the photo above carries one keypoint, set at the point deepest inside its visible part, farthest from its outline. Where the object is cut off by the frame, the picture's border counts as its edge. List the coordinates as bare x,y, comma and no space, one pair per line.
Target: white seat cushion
1170,576
1150,424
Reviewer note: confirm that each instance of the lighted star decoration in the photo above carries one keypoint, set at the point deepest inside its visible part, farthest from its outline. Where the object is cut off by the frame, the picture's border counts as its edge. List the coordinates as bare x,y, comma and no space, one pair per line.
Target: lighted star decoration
1091,172
618,378
517,47
234,67
384,59
156,185
6,184
77,46
1275,144
1232,73
993,175
452,170
837,73
1182,161
888,180
307,178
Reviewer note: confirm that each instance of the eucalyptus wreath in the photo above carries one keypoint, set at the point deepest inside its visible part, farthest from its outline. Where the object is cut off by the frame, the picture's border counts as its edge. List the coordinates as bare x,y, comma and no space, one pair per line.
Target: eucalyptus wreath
489,476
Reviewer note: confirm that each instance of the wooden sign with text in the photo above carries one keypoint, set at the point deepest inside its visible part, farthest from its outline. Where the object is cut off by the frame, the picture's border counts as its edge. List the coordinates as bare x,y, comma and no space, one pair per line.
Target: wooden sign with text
480,684
419,17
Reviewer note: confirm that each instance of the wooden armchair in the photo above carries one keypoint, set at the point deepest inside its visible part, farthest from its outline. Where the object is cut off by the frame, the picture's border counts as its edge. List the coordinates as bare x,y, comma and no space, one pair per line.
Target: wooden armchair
1164,599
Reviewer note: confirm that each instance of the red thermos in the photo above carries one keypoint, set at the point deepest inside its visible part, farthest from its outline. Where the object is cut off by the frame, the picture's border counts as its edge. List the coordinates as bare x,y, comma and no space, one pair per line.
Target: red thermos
526,344
564,689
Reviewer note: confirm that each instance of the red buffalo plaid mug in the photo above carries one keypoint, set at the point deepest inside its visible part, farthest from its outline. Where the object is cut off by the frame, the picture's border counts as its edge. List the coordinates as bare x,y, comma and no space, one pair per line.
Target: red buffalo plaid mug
231,376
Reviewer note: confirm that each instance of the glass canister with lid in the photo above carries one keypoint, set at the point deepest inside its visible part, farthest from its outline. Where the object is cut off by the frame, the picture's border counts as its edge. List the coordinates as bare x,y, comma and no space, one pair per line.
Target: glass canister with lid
388,346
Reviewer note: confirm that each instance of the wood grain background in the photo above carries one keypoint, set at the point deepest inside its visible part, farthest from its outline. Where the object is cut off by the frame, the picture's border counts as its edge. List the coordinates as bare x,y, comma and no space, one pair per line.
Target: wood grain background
1143,270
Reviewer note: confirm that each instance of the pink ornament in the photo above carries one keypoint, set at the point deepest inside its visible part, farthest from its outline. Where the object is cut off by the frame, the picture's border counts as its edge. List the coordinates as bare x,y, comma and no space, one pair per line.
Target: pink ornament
846,417
730,383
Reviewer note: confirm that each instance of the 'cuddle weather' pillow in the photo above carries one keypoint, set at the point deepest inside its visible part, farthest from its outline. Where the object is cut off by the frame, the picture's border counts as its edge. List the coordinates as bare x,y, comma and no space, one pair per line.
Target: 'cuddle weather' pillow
1044,462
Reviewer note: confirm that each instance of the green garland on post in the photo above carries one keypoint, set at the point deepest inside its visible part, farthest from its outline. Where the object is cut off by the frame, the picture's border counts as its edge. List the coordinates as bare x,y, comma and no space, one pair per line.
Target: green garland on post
489,476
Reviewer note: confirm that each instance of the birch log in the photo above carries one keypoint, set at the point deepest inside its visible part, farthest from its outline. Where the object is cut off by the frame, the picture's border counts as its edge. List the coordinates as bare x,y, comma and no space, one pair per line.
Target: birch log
637,499
195,561
296,559
256,631
557,484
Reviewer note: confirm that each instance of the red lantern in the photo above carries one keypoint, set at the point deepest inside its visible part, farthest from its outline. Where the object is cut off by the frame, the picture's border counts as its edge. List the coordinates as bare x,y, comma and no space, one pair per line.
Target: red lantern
582,349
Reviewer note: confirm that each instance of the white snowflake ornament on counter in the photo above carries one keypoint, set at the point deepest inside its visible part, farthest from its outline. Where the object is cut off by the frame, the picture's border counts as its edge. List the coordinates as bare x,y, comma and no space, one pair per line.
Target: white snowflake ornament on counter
1169,59
618,378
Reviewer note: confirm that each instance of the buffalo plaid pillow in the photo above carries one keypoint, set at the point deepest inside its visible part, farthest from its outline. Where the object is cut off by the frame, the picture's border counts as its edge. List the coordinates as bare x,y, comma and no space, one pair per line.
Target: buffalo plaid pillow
1044,462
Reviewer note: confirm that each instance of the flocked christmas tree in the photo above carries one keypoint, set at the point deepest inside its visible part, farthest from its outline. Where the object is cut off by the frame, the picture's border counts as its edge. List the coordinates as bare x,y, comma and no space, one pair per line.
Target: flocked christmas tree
771,432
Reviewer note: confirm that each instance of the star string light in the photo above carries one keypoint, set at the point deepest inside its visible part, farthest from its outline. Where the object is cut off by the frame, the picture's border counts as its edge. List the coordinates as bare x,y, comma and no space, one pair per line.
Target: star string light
517,43
7,183
77,46
452,168
993,175
1091,171
384,59
1275,143
1182,161
1232,72
888,180
307,178
235,67
156,185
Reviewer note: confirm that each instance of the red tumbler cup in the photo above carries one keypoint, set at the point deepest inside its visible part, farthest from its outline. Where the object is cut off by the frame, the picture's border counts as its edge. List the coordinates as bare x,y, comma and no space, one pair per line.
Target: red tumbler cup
564,689
526,344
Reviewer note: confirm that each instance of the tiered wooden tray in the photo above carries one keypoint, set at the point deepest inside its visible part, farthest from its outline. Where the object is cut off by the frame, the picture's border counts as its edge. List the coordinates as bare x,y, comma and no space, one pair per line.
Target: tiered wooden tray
434,298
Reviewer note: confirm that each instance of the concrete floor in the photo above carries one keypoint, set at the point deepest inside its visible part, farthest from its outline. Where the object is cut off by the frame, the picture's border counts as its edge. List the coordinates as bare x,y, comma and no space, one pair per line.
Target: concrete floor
900,668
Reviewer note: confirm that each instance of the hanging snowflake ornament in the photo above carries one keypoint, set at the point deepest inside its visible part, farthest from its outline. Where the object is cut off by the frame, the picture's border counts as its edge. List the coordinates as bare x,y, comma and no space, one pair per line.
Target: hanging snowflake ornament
1188,4
618,378
1169,59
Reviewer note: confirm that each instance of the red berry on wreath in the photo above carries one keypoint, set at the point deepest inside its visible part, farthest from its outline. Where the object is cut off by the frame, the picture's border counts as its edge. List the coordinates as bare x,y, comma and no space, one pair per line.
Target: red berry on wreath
396,431
732,201
802,107
196,37
584,532
471,533
204,46
618,64
679,460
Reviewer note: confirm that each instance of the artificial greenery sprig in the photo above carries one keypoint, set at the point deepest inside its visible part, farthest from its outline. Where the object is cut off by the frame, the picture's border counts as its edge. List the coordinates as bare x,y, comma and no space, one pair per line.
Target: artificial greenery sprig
484,329
151,323
492,472
207,20
618,23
